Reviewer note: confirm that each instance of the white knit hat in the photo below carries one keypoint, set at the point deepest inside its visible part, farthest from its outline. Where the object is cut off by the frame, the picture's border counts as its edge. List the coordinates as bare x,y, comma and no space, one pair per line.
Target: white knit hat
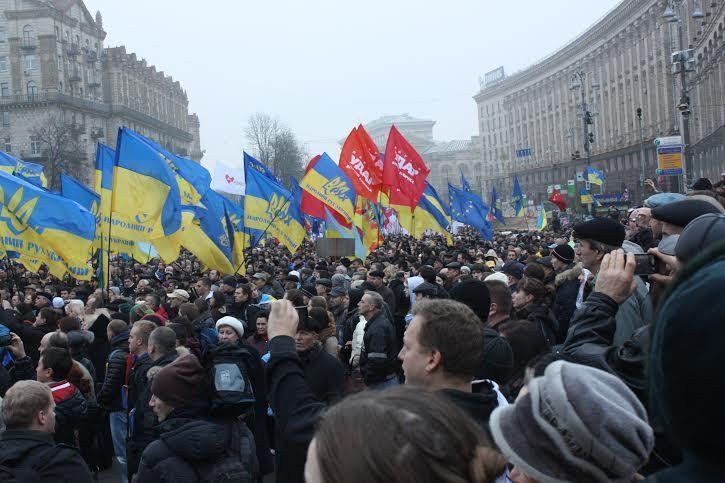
498,277
232,322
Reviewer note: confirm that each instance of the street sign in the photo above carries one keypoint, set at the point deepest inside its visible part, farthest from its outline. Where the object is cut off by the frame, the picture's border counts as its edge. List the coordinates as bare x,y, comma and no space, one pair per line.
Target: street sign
523,153
669,160
669,141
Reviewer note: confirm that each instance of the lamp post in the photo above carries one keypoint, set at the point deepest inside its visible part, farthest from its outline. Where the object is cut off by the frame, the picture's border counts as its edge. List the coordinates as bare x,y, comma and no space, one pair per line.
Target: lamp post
683,61
642,175
577,81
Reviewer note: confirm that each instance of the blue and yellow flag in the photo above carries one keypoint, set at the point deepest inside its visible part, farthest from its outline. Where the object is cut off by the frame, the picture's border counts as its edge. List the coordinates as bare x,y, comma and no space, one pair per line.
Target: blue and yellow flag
541,221
7,163
496,210
517,198
43,225
193,179
595,176
32,173
334,229
430,214
208,237
329,184
586,197
145,189
239,235
270,208
252,163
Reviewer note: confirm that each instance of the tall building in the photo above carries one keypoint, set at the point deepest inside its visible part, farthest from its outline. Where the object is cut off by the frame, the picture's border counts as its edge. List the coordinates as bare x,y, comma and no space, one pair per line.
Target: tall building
531,123
56,73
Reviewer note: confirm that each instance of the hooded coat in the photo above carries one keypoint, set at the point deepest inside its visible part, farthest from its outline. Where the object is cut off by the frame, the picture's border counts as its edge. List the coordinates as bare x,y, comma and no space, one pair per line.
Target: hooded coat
566,284
36,450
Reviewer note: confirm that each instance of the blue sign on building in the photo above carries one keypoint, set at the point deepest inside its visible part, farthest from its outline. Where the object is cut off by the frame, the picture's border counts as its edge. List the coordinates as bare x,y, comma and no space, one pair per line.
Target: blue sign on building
522,153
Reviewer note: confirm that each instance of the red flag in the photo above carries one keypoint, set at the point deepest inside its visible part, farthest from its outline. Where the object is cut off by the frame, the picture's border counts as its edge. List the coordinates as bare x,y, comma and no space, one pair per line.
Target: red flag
403,169
314,207
558,200
359,165
372,149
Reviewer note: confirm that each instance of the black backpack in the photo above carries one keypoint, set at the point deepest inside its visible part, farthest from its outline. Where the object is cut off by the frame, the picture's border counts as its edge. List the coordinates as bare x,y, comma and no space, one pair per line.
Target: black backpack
232,394
238,464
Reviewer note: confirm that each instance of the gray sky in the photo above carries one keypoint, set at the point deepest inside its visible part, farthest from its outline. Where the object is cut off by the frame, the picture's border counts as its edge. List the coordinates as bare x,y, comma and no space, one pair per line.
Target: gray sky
323,66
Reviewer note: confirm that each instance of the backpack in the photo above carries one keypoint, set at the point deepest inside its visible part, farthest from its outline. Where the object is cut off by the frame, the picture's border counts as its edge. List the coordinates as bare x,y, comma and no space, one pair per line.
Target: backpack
239,462
232,394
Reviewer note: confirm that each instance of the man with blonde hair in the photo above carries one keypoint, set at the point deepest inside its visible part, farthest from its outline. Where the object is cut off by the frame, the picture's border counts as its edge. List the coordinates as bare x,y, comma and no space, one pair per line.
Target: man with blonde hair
27,449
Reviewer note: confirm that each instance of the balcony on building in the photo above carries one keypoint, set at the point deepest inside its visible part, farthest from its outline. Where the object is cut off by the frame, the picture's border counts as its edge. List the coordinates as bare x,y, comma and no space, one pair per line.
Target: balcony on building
91,56
73,50
97,133
28,43
75,76
76,128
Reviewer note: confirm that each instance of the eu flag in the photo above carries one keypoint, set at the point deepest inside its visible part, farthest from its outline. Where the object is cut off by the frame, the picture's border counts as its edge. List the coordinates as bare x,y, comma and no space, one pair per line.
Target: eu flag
468,208
464,182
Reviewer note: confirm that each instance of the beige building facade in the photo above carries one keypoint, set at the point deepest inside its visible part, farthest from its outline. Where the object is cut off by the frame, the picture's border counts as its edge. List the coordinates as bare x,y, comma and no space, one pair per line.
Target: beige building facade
531,122
53,65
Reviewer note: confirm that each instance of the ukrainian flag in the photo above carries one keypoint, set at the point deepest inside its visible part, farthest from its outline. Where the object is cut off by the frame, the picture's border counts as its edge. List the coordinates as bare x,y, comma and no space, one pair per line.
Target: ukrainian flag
431,214
32,173
595,176
269,207
251,163
7,163
193,179
145,189
43,225
239,236
329,184
207,237
333,229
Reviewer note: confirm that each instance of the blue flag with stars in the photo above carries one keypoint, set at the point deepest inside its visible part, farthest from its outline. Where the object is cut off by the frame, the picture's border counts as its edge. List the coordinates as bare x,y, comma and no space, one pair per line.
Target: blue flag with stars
470,209
464,182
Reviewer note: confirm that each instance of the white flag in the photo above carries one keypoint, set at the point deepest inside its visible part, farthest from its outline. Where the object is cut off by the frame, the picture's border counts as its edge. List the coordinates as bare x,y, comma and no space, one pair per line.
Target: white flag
228,179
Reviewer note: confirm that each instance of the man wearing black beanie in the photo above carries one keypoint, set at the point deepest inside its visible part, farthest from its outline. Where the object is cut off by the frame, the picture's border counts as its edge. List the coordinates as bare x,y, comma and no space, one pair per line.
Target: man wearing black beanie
595,238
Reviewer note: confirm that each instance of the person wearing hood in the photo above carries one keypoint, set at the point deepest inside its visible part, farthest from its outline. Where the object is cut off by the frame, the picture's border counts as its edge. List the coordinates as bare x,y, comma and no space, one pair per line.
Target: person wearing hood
193,446
442,351
531,302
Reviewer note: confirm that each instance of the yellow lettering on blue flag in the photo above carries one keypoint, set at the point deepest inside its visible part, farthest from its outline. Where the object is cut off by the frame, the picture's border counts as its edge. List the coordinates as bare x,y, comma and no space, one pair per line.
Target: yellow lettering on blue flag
329,184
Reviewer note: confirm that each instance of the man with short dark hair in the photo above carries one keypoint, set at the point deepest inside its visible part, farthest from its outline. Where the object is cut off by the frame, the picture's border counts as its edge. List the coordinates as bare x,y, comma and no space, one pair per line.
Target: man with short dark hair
54,365
501,304
28,411
377,279
203,288
442,350
159,350
378,359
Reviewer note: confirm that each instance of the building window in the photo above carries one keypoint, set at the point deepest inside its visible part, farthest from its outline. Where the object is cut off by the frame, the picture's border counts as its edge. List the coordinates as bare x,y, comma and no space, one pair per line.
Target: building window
32,90
4,89
27,34
34,146
3,63
60,87
6,118
8,147
60,63
57,32
3,35
30,62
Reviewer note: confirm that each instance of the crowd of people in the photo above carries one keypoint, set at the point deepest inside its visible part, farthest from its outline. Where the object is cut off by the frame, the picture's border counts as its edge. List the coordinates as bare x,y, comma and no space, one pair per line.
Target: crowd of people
585,354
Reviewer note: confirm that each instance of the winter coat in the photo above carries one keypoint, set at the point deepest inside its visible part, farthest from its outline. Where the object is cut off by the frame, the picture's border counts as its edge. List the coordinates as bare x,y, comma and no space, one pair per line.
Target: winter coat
295,407
378,360
51,462
204,321
357,341
71,411
20,370
109,397
388,297
274,289
544,318
634,313
141,418
259,343
566,284
190,446
324,374
479,405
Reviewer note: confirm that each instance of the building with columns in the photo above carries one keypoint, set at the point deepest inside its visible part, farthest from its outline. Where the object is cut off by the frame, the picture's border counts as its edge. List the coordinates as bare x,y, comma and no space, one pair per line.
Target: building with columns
53,65
531,123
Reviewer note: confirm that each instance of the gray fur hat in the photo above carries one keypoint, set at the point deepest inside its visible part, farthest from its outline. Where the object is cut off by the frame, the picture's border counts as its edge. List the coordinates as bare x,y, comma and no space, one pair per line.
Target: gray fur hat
577,423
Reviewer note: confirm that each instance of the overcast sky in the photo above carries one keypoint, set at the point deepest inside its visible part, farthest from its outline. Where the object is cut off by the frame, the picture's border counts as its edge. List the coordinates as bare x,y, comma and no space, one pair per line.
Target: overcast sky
323,66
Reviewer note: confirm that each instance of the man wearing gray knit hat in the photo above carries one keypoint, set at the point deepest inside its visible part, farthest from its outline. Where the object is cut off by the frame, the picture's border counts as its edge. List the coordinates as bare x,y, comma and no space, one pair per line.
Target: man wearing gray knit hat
576,423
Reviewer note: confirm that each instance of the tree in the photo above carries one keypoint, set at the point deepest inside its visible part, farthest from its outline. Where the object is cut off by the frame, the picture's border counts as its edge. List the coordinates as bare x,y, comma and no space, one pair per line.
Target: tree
275,145
62,151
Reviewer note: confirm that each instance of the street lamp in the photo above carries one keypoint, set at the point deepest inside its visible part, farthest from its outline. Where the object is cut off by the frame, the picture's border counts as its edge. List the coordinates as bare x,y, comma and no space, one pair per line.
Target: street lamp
642,175
683,61
578,81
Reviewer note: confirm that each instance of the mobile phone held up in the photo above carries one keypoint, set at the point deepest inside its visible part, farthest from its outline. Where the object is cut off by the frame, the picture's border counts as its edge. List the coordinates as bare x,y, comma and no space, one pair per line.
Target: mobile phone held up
646,264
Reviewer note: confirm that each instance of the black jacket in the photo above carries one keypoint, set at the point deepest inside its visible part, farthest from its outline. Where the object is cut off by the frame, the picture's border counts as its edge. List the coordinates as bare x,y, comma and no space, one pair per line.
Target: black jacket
479,405
295,407
402,301
141,418
544,318
567,289
71,413
204,321
37,450
378,360
324,373
190,446
109,397
388,296
20,370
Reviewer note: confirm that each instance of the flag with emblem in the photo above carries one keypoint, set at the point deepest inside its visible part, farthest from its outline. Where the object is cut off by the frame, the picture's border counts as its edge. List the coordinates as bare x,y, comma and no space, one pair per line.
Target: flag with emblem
228,179
329,184
404,169
361,166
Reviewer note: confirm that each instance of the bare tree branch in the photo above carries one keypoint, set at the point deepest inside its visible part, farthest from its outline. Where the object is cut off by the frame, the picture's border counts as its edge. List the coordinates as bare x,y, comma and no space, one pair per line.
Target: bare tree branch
61,149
